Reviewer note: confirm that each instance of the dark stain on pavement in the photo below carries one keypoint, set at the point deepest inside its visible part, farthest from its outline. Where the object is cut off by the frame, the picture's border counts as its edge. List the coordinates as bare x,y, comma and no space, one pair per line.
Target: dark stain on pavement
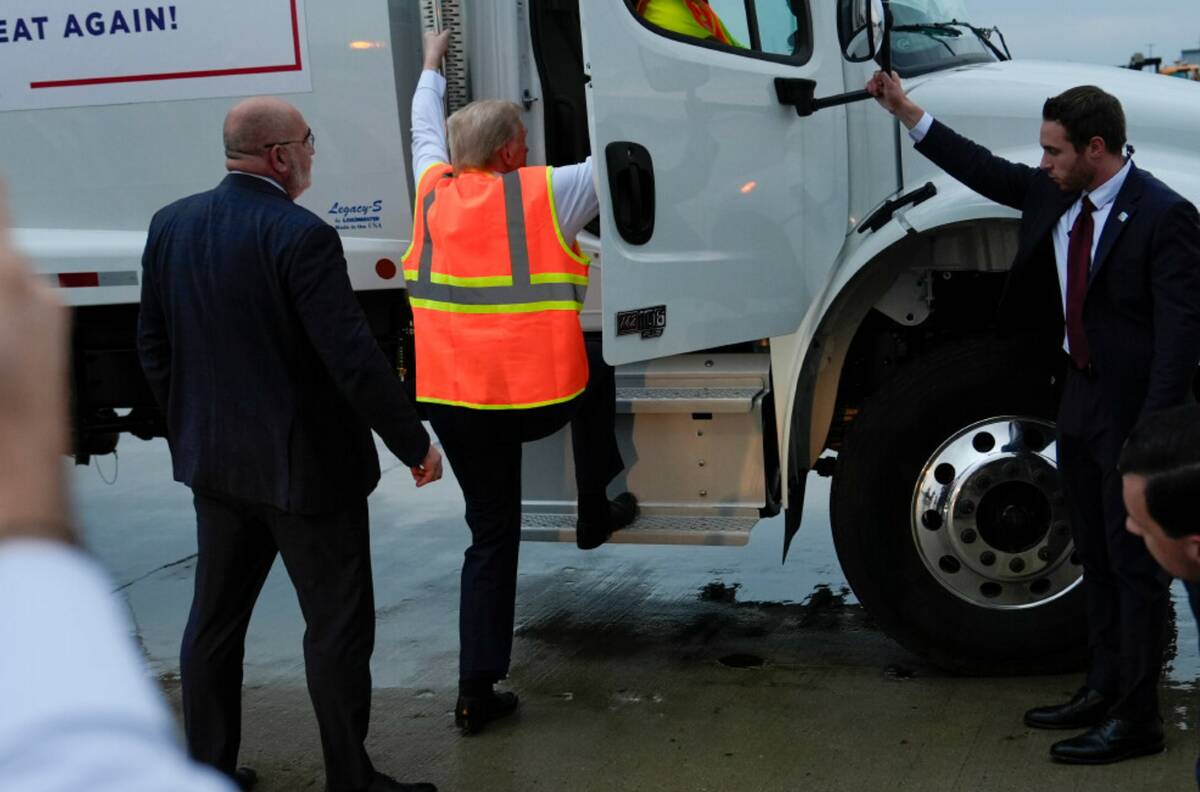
714,623
718,591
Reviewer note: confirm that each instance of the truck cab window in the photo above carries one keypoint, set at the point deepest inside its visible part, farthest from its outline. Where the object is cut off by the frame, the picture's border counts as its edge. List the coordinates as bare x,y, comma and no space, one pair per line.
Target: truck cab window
777,28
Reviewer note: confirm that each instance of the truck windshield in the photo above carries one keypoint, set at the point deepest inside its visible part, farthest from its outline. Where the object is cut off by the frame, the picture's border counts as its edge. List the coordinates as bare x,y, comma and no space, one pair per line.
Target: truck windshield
935,34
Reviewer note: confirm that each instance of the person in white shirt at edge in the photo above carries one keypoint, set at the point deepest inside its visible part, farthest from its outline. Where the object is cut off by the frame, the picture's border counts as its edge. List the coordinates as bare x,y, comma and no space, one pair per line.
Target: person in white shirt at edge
77,708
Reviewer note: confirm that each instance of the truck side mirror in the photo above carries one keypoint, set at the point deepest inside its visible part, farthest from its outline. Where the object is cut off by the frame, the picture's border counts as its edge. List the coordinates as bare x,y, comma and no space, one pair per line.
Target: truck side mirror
861,29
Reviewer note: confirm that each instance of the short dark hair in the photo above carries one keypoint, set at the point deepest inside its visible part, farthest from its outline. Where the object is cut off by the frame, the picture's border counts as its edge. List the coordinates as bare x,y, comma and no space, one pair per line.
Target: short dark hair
1087,112
1165,448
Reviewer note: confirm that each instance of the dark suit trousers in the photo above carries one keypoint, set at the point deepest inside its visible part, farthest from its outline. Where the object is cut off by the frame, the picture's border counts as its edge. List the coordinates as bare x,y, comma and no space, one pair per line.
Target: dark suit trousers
484,450
328,559
1126,591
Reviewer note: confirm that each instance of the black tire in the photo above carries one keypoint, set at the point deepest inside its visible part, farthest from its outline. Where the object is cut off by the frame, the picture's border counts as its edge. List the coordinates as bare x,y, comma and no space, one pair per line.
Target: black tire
882,458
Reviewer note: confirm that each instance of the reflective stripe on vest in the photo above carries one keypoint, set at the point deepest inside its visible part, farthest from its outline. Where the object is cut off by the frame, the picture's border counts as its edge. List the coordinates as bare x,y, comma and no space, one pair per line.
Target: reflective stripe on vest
501,330
516,293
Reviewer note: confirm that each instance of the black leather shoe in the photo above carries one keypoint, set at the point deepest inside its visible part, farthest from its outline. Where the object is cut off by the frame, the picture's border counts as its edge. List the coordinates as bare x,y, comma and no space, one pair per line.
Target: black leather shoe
1086,708
245,778
385,783
1112,741
595,526
472,713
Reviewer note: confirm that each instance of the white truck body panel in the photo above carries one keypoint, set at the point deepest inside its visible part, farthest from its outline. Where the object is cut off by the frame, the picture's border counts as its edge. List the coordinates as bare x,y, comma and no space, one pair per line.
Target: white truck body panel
84,181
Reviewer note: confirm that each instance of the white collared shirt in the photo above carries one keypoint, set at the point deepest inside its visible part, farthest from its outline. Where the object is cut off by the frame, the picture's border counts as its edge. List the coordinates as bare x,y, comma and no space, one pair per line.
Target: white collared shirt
78,710
575,199
1102,198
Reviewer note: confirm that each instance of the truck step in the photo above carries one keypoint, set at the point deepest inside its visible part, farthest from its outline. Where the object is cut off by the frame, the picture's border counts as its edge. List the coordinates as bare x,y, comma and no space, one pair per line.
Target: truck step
691,433
647,529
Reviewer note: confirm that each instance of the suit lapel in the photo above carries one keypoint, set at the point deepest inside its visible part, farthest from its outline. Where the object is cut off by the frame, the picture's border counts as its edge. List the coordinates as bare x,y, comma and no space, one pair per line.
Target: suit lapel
1119,215
1054,212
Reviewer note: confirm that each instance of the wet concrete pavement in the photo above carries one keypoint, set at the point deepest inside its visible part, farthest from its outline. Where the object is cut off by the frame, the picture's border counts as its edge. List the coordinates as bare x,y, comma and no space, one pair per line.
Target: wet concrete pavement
640,668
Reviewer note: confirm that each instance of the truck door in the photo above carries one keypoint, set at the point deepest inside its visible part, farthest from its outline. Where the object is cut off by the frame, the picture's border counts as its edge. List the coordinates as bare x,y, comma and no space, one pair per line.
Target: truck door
721,209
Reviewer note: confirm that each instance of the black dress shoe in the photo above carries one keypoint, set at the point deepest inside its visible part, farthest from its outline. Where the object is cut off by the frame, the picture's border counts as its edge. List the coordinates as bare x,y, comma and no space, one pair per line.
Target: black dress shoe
384,783
597,521
472,713
1111,741
1086,708
245,778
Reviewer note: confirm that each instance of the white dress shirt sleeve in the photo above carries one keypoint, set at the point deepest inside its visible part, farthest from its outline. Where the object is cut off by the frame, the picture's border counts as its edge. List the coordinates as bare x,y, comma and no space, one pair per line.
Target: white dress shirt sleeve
429,124
919,132
575,198
77,708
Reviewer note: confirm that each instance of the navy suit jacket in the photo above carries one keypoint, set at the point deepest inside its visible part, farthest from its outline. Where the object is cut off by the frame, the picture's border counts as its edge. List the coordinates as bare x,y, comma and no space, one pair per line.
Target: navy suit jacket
1142,309
260,356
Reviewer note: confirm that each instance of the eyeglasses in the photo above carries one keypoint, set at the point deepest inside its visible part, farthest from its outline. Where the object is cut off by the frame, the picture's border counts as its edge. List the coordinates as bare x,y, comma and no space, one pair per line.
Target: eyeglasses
309,140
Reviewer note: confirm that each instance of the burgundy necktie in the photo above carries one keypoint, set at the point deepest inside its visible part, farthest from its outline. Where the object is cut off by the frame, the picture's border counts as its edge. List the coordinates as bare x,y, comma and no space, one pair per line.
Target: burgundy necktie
1079,262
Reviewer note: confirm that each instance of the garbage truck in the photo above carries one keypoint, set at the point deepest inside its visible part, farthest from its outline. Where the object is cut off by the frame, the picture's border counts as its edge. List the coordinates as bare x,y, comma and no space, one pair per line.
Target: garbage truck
785,287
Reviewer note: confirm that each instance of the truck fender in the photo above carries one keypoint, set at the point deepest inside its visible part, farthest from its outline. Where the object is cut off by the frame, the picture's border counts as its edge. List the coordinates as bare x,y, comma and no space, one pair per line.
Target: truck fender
811,359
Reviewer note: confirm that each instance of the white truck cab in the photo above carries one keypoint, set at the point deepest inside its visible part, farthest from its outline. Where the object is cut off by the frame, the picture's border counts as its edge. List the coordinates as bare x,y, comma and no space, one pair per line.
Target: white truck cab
783,284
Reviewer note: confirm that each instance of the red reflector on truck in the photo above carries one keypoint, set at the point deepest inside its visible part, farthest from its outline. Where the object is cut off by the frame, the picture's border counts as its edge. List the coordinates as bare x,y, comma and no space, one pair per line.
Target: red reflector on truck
75,280
385,268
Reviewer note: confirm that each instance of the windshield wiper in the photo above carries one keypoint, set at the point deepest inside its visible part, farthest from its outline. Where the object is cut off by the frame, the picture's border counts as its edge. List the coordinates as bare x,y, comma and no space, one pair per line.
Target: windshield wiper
931,30
951,28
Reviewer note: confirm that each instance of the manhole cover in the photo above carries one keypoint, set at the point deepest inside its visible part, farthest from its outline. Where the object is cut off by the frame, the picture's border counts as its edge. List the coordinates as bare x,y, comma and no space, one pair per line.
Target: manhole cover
742,661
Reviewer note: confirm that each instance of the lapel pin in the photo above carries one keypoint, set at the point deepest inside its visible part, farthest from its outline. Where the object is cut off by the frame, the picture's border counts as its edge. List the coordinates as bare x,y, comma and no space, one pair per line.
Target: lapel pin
1123,216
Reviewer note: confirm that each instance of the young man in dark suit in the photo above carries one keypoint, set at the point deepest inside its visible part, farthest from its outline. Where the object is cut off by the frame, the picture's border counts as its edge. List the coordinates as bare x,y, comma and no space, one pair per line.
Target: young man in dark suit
1126,249
271,382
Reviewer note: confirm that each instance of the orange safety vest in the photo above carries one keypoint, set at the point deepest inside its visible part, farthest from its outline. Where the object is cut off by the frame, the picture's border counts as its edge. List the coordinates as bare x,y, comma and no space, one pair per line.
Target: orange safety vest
495,291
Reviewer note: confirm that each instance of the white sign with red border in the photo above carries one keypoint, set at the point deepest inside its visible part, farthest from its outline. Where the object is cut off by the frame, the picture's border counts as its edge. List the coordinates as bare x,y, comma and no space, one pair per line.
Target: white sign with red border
70,53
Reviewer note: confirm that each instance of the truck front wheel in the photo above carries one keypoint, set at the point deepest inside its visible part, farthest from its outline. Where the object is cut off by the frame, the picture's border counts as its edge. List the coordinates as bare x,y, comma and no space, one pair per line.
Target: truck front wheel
948,515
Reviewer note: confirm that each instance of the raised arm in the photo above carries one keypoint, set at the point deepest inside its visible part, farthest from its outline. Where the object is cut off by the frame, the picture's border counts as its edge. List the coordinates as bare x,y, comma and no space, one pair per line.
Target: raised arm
428,108
993,177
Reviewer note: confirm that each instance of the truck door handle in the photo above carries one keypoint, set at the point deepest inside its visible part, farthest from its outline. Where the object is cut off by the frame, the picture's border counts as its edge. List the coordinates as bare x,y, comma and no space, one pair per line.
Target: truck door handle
631,183
800,93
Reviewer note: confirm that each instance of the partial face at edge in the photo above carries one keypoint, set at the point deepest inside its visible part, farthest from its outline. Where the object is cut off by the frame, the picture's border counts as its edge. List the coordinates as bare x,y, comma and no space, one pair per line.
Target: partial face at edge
1180,557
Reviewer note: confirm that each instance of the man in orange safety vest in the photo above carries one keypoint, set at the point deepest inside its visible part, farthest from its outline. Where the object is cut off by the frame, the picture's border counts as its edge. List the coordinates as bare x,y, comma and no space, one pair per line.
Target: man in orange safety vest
496,282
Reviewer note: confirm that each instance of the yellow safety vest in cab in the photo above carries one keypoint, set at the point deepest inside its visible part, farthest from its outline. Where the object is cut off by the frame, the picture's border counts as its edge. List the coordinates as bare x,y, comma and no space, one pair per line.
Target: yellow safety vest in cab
693,18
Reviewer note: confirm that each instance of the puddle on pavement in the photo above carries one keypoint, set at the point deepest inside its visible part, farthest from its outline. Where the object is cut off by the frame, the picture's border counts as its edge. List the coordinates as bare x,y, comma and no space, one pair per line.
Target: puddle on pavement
1181,662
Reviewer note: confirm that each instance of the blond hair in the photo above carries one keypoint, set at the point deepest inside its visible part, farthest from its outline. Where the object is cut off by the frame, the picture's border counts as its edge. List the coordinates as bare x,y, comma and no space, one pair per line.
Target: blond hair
480,129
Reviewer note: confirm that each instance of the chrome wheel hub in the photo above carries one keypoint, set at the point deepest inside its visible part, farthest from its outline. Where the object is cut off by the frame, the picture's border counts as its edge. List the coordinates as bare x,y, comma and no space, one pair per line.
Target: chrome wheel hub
988,517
